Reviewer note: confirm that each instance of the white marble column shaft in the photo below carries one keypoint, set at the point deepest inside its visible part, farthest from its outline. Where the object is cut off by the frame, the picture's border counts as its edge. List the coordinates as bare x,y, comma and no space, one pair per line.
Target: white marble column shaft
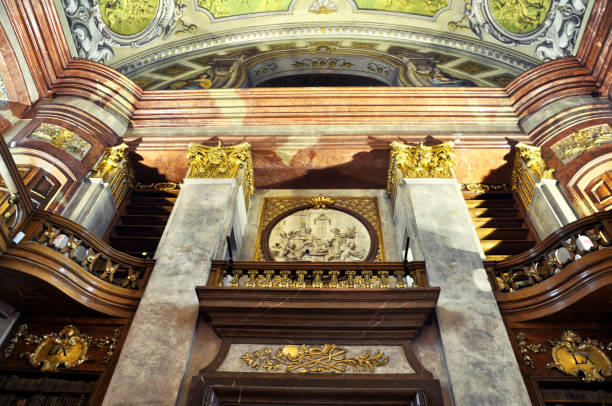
480,362
153,359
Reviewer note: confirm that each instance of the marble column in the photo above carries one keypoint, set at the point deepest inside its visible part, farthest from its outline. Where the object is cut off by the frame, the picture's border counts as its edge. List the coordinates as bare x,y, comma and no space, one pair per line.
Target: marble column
480,362
92,206
154,357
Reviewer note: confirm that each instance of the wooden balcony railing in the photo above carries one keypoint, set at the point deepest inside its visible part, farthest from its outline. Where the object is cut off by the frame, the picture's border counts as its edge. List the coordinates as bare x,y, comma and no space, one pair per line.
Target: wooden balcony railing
87,251
343,275
548,258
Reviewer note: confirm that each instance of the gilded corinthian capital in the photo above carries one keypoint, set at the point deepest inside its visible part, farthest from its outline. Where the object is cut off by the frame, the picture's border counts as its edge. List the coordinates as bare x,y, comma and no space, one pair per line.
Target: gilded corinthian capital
532,159
222,162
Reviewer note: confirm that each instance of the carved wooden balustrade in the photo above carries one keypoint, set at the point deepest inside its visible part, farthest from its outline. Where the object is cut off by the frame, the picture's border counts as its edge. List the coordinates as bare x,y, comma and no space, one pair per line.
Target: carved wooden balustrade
550,257
347,275
87,251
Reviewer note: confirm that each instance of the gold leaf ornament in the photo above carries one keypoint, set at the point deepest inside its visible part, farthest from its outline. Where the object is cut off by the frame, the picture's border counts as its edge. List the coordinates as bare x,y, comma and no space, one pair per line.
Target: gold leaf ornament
328,358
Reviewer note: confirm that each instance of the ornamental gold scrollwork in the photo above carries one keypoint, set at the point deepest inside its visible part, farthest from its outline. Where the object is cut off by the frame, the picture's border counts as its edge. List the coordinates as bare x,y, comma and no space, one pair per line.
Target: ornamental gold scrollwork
68,348
582,141
222,162
574,356
321,202
159,186
485,187
308,359
525,347
117,157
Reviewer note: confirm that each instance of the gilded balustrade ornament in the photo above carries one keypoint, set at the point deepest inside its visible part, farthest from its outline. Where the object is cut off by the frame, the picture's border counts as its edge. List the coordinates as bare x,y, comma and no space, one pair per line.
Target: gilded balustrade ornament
222,162
420,161
582,141
61,138
307,359
68,348
574,356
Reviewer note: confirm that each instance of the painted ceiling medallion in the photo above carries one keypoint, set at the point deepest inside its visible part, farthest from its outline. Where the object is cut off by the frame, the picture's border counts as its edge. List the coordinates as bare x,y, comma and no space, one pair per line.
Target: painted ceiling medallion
127,17
229,8
520,16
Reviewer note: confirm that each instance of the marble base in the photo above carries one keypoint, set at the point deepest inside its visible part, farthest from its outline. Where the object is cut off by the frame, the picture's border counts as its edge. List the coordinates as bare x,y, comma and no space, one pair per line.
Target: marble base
8,317
480,362
154,357
92,207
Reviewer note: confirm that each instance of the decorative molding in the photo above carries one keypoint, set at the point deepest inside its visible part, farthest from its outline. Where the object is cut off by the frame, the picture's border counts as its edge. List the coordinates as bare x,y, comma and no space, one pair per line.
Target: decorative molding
223,162
582,141
554,37
574,356
61,138
308,359
94,39
485,187
323,7
480,49
160,186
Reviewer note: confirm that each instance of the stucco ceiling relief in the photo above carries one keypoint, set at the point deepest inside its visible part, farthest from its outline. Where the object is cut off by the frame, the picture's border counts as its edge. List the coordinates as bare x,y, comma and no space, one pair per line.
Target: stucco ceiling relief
552,25
98,26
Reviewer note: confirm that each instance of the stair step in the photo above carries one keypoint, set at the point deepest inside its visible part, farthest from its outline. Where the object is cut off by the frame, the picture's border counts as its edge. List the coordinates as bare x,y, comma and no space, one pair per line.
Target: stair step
478,203
138,230
486,212
144,219
150,210
152,201
134,244
497,222
136,194
505,247
488,196
486,233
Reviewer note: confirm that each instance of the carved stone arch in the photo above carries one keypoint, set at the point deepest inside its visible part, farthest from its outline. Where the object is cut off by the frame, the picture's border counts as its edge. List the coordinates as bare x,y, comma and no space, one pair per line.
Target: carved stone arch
581,187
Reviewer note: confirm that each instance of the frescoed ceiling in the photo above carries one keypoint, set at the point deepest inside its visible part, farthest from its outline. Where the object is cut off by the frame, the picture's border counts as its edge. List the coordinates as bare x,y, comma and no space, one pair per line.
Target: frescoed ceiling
175,44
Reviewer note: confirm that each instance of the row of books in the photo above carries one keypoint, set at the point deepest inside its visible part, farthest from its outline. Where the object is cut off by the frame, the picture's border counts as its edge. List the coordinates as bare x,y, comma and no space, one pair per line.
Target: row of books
15,382
44,400
577,394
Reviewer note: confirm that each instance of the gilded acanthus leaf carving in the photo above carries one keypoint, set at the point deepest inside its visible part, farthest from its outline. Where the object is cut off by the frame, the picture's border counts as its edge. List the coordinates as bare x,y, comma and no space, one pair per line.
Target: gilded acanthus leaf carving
222,162
532,158
420,161
328,359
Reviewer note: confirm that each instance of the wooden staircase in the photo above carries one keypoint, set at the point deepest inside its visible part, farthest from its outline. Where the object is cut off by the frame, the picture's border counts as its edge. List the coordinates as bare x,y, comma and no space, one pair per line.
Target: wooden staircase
141,222
500,226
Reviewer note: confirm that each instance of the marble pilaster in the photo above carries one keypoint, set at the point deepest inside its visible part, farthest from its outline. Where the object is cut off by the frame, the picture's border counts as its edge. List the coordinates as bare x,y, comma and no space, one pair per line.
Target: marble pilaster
549,209
480,362
92,206
154,357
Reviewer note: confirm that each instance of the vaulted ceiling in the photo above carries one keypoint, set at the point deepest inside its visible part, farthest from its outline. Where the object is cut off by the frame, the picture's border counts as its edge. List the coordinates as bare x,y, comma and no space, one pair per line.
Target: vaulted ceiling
179,44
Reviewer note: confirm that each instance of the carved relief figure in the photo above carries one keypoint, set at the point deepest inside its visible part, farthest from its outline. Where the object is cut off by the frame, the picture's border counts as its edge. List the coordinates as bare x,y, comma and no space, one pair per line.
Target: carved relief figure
319,235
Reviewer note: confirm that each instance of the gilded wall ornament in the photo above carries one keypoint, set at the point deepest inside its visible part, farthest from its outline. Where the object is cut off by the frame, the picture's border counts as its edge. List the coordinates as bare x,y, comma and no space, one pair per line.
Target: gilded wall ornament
68,348
61,138
574,356
308,359
485,187
582,141
551,25
160,186
525,347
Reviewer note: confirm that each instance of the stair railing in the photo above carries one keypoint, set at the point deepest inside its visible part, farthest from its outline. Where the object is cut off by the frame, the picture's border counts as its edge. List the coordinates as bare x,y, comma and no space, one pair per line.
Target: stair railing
87,251
342,275
563,247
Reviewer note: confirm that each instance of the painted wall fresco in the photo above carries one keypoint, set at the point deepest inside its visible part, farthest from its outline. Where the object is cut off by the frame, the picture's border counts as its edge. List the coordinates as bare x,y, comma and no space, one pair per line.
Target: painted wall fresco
427,8
228,8
126,17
